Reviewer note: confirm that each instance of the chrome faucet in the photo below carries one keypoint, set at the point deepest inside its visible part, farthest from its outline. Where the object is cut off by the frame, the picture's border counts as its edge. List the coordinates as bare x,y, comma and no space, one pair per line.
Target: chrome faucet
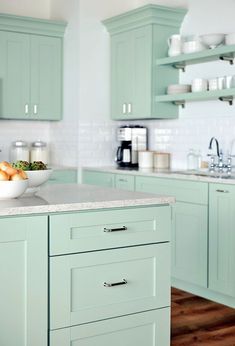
213,165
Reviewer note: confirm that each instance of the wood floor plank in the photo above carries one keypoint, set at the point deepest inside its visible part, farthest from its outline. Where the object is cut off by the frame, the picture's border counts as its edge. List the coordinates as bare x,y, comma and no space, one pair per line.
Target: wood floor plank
200,322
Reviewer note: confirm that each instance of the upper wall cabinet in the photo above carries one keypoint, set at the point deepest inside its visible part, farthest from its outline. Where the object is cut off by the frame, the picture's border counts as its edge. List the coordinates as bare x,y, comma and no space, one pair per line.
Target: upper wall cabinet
138,38
31,68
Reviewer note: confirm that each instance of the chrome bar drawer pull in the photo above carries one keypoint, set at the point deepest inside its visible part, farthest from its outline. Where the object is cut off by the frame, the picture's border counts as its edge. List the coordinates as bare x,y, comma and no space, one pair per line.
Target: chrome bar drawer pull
107,230
26,109
124,108
112,284
35,109
222,191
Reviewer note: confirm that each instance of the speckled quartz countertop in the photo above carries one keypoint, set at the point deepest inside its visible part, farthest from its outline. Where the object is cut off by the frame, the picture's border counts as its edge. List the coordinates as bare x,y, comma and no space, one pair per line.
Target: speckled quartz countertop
202,176
73,197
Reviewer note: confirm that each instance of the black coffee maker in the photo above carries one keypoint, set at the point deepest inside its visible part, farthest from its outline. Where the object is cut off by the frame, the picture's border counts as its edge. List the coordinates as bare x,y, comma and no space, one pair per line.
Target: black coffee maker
133,139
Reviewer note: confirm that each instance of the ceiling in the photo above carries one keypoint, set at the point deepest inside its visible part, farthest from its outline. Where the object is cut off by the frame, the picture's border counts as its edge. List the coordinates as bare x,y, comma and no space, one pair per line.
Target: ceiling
171,3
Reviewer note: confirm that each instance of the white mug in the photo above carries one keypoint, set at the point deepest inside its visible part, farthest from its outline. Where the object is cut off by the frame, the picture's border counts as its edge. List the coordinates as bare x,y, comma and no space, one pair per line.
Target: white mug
199,85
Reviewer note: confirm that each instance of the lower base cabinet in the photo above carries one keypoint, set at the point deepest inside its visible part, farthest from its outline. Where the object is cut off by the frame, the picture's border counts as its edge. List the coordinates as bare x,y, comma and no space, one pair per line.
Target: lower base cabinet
24,284
189,243
142,329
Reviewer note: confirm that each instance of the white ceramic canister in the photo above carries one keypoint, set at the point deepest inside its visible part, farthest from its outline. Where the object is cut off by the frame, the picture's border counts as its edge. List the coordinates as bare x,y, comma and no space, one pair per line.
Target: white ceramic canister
199,85
19,151
161,160
175,45
39,152
145,159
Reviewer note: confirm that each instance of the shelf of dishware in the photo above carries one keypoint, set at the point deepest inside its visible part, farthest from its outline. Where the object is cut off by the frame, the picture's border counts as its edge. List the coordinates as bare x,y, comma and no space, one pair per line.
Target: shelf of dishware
180,99
225,52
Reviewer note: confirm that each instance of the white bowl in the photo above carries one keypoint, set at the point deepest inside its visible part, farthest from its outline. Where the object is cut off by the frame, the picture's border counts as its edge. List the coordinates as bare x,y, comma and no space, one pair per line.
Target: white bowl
213,40
193,47
12,189
37,178
230,39
178,89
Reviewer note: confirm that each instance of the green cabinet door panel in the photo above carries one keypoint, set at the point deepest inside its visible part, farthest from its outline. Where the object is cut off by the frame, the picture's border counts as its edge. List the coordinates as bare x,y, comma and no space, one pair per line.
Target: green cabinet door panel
125,182
24,287
182,190
46,78
63,176
98,178
189,243
15,75
144,329
79,293
121,76
91,231
222,239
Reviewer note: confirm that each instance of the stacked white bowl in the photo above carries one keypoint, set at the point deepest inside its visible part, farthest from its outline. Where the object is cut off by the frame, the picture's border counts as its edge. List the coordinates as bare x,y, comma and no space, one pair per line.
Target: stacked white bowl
178,89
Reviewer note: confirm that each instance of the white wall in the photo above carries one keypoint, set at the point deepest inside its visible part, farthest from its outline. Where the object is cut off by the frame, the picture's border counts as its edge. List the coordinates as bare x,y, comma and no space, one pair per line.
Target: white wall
31,8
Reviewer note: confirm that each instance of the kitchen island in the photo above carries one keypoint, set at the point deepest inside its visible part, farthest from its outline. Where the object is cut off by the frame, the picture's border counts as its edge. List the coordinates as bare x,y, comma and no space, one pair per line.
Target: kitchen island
85,265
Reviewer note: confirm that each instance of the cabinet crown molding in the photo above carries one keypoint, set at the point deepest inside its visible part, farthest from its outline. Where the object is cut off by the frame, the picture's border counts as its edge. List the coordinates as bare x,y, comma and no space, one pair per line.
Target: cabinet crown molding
29,25
145,15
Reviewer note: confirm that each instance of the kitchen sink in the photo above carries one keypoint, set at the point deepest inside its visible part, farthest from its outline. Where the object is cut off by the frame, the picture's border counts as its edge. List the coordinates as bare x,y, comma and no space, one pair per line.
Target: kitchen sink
216,175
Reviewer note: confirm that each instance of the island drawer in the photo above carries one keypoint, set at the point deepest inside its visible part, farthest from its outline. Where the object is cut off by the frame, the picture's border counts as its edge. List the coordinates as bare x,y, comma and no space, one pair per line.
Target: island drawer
148,328
97,230
98,285
183,190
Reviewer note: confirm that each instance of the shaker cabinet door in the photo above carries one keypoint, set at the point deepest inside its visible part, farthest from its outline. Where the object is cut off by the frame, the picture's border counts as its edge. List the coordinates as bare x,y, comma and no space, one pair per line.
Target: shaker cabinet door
23,276
222,239
46,78
121,75
14,75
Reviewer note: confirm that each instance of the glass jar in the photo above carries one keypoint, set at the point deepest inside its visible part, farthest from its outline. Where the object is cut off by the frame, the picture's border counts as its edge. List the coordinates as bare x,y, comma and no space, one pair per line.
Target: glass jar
192,160
19,151
39,152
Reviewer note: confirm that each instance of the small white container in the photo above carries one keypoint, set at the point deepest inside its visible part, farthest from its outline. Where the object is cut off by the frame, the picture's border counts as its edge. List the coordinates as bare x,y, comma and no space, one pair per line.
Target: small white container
39,152
19,151
199,85
145,159
161,160
213,84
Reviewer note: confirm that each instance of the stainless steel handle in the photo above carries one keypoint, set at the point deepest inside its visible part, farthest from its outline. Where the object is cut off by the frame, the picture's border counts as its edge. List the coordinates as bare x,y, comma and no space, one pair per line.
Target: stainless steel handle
222,191
123,180
26,109
35,109
112,284
129,108
124,108
108,230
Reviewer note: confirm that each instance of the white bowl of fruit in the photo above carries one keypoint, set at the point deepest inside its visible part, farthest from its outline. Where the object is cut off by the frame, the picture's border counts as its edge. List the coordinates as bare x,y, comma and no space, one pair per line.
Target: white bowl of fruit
13,182
37,173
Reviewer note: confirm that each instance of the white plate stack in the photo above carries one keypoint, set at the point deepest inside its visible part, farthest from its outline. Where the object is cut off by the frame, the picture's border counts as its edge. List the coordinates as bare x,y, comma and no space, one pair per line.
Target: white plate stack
178,89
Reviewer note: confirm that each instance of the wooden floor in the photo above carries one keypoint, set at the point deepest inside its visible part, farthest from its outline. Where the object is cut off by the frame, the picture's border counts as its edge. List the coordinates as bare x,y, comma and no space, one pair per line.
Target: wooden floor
200,322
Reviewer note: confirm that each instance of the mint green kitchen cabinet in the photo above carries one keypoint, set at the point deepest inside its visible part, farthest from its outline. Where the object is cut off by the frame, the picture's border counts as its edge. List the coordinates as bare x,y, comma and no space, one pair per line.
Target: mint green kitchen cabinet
63,176
24,286
138,38
98,178
31,68
145,328
189,226
222,239
125,182
189,243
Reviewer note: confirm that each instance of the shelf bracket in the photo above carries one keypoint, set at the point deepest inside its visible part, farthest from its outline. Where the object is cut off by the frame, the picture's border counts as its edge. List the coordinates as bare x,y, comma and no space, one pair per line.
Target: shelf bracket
180,66
228,99
180,103
230,59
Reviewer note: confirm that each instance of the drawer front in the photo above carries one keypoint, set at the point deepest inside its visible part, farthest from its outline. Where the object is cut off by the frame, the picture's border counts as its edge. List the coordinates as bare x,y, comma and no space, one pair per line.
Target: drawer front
89,231
125,182
98,178
182,190
80,291
150,328
63,177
